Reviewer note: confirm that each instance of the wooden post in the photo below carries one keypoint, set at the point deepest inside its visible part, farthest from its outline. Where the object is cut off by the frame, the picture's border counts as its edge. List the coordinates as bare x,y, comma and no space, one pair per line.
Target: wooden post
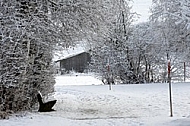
109,79
184,65
170,88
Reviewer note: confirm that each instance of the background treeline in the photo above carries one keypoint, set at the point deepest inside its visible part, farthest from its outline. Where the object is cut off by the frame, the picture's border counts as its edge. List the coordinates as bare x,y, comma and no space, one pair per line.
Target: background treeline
139,53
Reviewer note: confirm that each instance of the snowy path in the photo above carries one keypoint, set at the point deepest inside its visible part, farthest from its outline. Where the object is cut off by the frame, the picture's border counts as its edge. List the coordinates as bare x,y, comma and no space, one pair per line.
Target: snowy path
125,105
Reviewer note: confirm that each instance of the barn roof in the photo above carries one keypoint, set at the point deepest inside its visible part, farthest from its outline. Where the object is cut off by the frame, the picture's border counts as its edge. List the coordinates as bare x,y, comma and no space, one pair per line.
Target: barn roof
69,56
69,52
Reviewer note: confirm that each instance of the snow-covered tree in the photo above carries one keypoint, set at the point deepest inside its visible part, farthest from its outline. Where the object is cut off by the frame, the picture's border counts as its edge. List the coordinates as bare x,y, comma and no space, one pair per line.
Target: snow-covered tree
170,20
111,57
77,20
143,55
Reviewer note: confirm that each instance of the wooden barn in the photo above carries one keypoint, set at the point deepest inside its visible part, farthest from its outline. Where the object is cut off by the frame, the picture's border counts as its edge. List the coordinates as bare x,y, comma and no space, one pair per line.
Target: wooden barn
77,63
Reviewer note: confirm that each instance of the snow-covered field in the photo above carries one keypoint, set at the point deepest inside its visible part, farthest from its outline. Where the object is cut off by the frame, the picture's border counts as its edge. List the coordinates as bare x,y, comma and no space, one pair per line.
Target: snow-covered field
83,101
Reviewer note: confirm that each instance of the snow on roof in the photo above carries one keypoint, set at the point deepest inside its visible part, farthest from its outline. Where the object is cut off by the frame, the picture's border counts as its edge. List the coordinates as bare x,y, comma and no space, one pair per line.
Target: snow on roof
69,52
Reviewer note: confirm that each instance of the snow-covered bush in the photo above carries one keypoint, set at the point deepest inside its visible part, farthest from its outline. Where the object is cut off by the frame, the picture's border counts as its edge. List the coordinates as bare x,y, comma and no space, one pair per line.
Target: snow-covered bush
25,54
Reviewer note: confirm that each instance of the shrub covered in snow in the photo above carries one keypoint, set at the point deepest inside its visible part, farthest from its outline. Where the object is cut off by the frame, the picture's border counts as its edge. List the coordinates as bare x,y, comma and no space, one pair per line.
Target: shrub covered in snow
25,55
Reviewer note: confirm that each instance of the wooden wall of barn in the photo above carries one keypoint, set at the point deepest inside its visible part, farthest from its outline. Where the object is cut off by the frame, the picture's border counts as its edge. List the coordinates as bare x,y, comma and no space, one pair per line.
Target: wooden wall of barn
77,63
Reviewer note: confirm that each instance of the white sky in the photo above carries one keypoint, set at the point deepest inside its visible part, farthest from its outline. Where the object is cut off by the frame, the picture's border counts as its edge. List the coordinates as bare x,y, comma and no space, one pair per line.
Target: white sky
142,8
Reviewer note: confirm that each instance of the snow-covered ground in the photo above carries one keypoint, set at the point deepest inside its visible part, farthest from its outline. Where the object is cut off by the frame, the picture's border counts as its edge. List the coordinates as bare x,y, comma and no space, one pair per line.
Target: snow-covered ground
83,101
